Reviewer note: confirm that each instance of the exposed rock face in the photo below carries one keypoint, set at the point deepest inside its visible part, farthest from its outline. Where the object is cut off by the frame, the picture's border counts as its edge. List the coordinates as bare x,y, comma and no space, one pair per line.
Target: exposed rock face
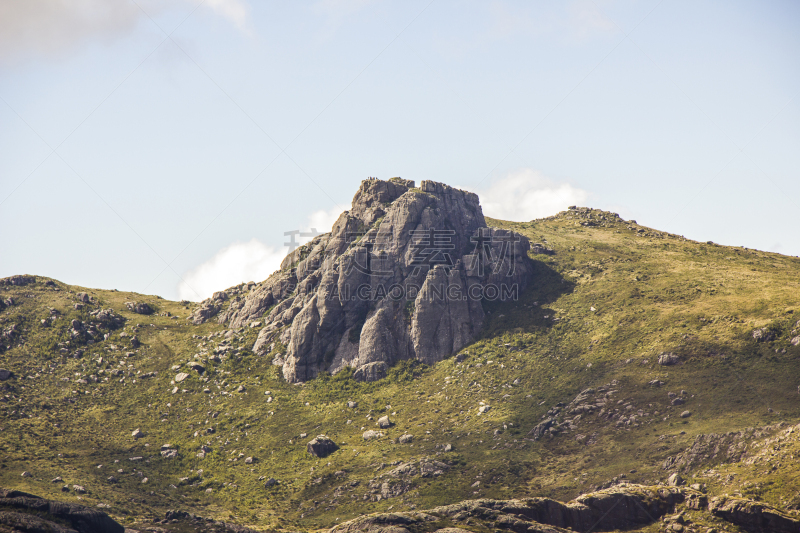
620,508
400,276
38,514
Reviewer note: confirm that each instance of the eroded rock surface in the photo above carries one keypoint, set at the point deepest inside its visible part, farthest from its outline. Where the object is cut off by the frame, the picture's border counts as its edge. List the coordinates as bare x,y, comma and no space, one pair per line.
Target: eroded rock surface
400,276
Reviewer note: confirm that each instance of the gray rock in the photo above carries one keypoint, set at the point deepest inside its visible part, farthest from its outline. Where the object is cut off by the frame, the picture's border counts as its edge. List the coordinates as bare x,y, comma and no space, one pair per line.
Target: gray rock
384,422
83,297
667,359
406,439
371,372
5,374
169,454
137,433
139,308
181,376
484,409
763,335
321,446
352,405
678,401
271,482
197,367
26,474
686,414
26,512
675,480
448,447
372,434
249,460
435,309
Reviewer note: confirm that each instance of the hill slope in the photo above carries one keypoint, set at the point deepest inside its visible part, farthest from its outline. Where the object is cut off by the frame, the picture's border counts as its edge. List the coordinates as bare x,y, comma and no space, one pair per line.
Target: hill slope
612,301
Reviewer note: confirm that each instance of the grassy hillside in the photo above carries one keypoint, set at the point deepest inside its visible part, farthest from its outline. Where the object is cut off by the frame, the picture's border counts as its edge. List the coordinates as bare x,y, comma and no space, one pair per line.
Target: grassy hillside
612,298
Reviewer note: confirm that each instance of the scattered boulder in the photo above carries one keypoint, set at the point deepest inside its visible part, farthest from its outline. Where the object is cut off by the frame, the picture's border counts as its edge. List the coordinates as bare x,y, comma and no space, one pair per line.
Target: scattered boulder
137,433
271,482
352,405
384,422
372,434
667,359
5,374
321,446
18,280
169,454
686,414
248,460
405,439
26,474
675,480
181,376
140,308
484,409
763,335
197,367
83,297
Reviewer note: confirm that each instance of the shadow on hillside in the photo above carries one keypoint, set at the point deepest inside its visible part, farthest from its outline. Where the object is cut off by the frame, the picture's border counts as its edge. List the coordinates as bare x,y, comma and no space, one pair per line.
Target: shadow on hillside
529,312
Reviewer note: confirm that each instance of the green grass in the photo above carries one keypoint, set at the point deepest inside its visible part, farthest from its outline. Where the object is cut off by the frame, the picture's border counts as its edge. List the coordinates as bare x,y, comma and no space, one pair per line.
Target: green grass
651,292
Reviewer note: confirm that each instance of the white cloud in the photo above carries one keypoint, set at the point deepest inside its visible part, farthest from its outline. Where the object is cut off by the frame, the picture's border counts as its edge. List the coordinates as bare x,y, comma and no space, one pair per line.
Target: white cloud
246,261
526,194
52,28
238,262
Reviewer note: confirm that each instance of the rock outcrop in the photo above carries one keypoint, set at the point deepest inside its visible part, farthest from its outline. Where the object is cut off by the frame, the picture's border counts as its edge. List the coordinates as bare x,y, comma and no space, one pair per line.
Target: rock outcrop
25,512
401,276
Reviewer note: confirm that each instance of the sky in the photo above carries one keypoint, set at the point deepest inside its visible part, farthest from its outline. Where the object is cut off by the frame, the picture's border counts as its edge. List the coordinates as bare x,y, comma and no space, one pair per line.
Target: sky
165,146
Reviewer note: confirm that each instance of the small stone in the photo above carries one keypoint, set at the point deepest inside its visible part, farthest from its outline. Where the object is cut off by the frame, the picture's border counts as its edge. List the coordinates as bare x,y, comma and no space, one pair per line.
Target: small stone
271,482
483,409
56,480
352,405
79,488
241,388
686,414
27,474
5,374
384,422
405,439
248,461
137,433
181,376
448,447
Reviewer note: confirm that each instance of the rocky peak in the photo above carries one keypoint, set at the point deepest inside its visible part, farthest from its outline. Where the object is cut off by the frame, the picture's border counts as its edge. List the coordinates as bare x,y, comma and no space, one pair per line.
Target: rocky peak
401,275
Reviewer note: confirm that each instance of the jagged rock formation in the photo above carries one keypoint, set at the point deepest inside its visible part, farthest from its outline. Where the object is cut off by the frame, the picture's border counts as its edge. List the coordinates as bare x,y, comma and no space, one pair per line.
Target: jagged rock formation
26,512
401,276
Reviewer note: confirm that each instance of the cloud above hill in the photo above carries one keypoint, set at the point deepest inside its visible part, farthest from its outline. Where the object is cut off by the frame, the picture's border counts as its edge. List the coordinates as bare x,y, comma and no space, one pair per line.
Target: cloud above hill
246,261
526,194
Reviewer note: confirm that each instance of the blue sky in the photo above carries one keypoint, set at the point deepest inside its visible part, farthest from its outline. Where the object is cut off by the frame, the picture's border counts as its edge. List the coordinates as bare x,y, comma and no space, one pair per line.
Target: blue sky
165,146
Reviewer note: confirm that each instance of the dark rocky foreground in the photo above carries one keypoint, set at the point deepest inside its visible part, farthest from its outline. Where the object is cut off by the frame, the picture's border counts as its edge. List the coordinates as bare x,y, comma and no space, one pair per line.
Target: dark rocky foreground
401,276
622,507
22,512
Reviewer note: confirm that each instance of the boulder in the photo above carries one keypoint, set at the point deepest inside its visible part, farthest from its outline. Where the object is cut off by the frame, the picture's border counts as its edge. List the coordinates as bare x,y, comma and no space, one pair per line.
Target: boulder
137,433
180,377
384,422
197,367
763,335
5,374
371,371
675,480
321,446
271,482
372,434
352,405
667,359
140,308
405,439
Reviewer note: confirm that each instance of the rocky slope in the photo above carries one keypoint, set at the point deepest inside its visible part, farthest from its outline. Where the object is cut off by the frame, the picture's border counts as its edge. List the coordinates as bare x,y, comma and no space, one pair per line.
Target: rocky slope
402,275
